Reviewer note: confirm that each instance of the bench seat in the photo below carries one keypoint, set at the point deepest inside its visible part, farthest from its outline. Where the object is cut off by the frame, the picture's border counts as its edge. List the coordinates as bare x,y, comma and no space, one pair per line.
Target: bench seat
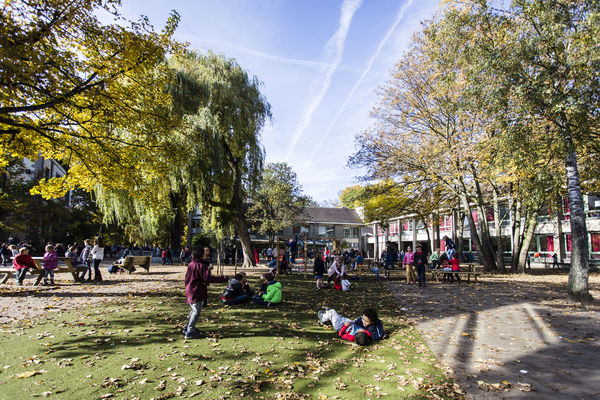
130,262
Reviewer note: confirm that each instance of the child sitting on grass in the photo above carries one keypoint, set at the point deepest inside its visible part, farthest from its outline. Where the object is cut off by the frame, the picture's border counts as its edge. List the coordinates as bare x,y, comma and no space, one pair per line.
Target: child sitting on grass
234,292
270,292
346,329
197,278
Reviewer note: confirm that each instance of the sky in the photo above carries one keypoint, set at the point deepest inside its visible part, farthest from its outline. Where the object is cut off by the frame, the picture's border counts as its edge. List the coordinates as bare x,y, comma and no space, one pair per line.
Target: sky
320,62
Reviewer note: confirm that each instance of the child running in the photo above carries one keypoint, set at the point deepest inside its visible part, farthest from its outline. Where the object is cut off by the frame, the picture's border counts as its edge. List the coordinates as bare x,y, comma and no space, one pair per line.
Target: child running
197,278
345,328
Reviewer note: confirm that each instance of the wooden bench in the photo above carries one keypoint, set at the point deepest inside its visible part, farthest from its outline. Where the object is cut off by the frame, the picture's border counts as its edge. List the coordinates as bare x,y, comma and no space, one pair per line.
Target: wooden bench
437,272
9,271
130,262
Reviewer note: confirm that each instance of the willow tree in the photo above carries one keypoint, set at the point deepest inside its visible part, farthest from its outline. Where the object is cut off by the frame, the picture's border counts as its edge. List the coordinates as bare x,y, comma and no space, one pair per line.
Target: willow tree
211,160
220,157
71,85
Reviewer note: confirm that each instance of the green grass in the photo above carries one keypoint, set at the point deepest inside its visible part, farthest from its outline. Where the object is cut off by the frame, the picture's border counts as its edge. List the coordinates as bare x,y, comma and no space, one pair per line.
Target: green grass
133,348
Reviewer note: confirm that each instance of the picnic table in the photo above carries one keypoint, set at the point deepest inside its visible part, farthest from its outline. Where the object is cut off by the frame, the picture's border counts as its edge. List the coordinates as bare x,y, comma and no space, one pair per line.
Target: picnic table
467,270
130,262
66,267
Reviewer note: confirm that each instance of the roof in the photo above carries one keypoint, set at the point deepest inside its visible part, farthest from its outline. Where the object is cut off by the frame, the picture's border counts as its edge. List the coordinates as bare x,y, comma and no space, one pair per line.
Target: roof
332,215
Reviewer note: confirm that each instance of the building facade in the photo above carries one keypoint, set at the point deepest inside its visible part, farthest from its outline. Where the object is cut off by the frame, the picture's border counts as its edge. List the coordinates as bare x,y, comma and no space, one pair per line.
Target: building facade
552,233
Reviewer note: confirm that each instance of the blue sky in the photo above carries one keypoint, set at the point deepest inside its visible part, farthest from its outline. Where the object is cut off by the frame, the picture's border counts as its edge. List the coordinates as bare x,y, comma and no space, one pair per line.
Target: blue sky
320,62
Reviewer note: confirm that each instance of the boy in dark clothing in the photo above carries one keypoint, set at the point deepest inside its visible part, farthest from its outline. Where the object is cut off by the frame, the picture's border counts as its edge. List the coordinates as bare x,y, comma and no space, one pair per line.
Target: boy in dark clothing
420,262
197,278
370,321
234,292
319,269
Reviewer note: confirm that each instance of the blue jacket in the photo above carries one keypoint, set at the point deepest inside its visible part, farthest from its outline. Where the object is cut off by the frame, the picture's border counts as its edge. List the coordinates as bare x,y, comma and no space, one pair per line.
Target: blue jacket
376,329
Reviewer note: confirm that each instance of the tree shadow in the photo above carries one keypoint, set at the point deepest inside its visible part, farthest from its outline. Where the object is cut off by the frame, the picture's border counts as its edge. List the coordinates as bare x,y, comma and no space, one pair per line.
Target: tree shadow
493,330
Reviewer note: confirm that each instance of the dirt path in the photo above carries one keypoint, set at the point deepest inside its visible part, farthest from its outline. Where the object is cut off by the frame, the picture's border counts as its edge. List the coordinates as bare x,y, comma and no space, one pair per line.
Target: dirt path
27,302
510,337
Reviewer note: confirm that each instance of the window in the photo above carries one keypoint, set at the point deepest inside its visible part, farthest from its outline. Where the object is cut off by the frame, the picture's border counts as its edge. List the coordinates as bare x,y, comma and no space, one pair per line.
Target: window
593,206
350,232
394,229
566,209
326,230
569,243
595,242
299,230
547,244
593,202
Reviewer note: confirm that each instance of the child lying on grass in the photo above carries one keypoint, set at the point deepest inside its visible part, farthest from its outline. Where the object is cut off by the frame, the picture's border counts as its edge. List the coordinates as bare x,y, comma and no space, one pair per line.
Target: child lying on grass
346,329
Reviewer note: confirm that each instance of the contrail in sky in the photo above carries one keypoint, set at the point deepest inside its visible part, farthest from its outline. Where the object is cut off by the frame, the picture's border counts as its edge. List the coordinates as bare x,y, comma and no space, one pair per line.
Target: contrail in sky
399,18
335,47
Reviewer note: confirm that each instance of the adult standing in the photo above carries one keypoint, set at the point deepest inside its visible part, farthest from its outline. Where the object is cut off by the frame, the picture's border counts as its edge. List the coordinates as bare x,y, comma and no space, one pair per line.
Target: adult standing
97,257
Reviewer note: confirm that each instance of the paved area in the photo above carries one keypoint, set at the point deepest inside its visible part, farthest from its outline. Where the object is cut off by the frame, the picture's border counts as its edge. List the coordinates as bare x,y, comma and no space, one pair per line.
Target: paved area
511,336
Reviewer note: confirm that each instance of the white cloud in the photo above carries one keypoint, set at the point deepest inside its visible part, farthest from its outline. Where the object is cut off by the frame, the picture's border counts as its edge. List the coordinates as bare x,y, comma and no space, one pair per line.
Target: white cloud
334,49
398,19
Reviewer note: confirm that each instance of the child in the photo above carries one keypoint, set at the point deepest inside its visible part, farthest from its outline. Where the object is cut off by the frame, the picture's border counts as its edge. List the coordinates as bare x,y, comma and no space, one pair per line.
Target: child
234,292
336,269
21,263
455,263
420,261
346,329
270,291
283,265
370,321
50,264
86,258
197,278
319,269
408,262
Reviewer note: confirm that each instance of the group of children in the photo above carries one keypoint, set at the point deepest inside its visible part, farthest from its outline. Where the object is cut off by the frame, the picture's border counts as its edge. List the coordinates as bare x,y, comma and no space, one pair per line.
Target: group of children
364,330
90,258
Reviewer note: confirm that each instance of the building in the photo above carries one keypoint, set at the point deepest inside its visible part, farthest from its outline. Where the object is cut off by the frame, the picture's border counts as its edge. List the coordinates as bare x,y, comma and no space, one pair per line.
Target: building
552,233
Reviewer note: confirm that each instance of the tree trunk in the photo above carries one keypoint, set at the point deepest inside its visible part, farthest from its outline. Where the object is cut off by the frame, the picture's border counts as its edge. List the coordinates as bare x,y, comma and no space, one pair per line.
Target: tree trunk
486,260
515,231
578,275
176,230
498,224
242,231
530,224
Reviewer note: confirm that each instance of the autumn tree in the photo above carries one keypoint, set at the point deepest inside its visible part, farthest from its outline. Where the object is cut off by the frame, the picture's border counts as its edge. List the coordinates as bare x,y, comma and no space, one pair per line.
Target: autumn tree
278,202
546,67
428,133
78,90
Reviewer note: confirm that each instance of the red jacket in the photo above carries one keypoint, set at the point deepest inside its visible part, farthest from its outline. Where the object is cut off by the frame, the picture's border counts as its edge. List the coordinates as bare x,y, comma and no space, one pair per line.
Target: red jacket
348,336
23,261
197,278
455,264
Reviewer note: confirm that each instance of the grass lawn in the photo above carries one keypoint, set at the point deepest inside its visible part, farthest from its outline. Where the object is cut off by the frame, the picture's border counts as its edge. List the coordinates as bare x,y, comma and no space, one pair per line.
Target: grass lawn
133,348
